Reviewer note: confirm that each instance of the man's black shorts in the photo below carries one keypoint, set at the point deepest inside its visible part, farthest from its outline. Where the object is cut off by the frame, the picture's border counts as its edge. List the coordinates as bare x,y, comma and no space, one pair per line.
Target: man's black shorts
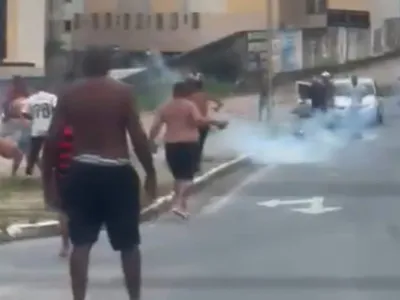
97,195
182,159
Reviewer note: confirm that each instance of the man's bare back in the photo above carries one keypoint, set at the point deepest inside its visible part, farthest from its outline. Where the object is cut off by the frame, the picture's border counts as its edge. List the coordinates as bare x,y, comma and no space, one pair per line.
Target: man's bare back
102,186
97,110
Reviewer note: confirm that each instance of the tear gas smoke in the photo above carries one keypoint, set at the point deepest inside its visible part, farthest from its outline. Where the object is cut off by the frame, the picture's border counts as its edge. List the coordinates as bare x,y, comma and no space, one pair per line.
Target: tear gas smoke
318,144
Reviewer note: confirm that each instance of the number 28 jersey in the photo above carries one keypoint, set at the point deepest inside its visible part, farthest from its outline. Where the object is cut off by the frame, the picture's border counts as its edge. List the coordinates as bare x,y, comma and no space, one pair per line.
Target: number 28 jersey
40,106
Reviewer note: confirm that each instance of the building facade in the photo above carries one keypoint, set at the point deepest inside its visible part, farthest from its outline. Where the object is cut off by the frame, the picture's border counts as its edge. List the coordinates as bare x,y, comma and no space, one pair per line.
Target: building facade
183,25
24,37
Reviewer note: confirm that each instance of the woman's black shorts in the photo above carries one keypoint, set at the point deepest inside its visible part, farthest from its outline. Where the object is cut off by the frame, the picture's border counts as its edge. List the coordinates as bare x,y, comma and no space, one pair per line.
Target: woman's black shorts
182,159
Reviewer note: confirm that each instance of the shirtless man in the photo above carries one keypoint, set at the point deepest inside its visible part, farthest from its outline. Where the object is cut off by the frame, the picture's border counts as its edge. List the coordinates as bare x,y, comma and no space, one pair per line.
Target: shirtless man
182,120
102,188
201,99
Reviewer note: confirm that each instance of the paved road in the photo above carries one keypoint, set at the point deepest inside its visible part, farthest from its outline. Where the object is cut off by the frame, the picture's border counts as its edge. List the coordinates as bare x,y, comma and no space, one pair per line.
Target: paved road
235,249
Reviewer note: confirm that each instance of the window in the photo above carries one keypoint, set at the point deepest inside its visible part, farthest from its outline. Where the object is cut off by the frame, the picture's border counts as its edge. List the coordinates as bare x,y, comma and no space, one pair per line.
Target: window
139,21
108,20
310,7
77,21
159,21
345,88
195,20
118,21
321,6
174,18
316,7
68,1
148,25
95,21
126,20
185,19
67,26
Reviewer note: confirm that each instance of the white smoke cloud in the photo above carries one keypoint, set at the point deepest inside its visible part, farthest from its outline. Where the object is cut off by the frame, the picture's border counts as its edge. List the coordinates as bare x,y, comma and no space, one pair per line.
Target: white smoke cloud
279,145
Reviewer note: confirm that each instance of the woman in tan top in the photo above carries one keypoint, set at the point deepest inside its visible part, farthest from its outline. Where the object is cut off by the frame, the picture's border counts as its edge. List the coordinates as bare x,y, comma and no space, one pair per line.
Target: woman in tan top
182,120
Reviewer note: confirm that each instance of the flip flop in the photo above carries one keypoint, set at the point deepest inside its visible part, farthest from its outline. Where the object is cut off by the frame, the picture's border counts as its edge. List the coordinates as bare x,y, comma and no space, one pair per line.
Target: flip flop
180,213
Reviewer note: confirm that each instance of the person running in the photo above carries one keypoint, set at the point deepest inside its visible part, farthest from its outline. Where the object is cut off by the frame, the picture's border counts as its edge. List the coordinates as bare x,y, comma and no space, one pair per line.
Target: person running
182,120
201,99
39,107
102,187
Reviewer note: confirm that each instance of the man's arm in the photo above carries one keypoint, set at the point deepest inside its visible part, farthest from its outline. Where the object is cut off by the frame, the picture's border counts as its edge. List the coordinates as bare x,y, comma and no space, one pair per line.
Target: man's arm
55,130
137,135
26,110
155,126
216,101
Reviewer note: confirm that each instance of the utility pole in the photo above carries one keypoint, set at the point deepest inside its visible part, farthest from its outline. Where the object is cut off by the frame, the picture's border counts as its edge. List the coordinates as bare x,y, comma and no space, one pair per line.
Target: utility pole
269,70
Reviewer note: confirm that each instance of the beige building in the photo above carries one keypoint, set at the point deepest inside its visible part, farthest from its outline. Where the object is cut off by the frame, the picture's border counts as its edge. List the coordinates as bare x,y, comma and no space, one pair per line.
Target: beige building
182,25
25,36
31,24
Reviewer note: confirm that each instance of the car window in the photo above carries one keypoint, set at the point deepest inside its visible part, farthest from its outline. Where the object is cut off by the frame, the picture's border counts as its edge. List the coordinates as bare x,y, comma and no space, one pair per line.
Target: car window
345,88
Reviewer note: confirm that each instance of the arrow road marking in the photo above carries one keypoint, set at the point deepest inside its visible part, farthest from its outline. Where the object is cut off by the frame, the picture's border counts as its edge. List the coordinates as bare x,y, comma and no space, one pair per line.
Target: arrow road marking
278,202
316,205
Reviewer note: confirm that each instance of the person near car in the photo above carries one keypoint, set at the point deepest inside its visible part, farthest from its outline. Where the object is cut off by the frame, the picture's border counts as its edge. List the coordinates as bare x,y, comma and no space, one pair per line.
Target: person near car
318,95
357,93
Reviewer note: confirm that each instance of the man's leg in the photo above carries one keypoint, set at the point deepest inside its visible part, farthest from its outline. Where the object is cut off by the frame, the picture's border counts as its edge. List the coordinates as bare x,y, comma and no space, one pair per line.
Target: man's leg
33,155
17,159
85,217
122,215
64,251
203,133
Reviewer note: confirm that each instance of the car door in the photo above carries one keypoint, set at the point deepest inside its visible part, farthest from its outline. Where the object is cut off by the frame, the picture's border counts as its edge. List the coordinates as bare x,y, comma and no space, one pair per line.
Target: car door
303,91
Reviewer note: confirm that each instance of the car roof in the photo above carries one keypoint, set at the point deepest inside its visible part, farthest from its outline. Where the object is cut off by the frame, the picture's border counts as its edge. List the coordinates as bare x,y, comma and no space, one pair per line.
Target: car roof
348,80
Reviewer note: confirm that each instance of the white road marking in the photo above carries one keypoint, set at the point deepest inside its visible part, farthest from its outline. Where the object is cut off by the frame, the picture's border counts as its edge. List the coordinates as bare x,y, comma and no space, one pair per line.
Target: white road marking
316,205
279,202
227,198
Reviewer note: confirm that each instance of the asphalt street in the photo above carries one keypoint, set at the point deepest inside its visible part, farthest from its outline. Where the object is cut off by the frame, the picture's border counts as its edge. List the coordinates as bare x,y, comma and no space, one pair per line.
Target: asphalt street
241,245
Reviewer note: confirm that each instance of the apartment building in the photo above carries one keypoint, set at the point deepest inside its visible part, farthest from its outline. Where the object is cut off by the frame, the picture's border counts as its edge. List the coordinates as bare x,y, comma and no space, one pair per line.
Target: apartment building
182,25
167,25
61,15
23,36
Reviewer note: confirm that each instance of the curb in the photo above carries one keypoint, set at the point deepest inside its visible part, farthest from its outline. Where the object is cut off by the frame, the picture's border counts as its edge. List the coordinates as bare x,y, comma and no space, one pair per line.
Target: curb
48,228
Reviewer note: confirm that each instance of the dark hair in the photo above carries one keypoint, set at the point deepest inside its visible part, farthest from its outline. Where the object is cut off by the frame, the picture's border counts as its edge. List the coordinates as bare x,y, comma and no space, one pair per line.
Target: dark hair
181,89
194,85
97,62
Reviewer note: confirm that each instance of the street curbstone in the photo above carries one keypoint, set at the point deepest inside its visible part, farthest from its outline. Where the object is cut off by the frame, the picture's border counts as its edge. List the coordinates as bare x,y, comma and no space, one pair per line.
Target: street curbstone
48,228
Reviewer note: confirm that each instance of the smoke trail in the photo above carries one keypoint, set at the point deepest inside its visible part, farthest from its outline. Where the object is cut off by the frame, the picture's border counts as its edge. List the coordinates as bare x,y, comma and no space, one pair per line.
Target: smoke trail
160,78
319,144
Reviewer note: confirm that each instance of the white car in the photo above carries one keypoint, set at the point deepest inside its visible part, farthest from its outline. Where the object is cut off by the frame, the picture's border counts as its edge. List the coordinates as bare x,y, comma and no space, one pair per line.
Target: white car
371,106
